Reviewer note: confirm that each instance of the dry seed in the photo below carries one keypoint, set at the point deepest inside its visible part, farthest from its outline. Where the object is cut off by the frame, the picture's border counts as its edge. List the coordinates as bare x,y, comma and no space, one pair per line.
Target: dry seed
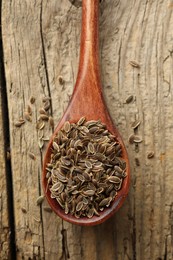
56,186
114,179
88,164
113,194
51,121
90,213
137,161
19,123
27,116
47,209
23,210
135,124
45,139
79,206
29,110
137,139
42,111
45,99
32,100
61,177
81,121
40,143
91,148
134,64
61,80
67,126
150,155
39,200
40,134
40,125
129,99
56,146
46,105
66,208
32,156
80,175
104,202
131,139
66,161
43,117
89,192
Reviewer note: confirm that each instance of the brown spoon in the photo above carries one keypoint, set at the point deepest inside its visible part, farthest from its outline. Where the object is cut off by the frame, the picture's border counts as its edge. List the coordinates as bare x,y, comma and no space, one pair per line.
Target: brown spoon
87,100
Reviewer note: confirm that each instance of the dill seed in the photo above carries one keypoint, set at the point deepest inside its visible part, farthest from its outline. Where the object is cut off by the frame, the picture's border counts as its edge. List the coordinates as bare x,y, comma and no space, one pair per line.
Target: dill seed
32,100
27,116
86,170
19,123
150,155
135,124
61,80
32,155
129,99
134,63
39,200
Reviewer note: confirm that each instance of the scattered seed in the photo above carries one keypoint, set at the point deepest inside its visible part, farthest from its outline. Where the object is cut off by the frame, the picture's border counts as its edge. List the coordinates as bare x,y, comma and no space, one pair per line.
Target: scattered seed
19,123
135,124
42,111
150,155
32,100
45,99
137,161
40,125
137,139
40,143
23,210
129,99
45,139
51,122
27,116
32,156
43,117
134,64
47,209
29,110
46,105
39,200
131,139
61,80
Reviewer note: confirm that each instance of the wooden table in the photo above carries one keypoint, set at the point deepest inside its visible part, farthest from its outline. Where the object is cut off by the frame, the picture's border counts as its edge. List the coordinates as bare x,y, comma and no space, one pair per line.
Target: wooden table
40,47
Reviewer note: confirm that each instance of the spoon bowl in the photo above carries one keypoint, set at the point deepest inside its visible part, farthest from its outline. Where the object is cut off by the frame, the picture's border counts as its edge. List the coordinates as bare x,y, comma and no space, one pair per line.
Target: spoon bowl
87,100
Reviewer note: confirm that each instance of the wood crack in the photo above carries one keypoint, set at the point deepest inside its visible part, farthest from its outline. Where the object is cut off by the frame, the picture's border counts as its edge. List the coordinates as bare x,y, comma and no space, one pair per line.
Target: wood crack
44,54
65,250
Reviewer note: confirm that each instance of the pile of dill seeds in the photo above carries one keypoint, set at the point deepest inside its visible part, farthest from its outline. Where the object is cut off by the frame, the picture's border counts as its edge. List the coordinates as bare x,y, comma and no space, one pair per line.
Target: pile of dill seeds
86,169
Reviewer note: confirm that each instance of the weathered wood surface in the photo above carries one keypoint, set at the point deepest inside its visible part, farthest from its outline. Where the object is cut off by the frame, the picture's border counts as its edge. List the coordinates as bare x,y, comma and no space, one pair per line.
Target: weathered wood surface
40,43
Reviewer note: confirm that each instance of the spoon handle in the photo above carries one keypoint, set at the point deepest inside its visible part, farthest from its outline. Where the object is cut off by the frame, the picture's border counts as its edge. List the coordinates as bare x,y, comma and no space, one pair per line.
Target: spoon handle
89,58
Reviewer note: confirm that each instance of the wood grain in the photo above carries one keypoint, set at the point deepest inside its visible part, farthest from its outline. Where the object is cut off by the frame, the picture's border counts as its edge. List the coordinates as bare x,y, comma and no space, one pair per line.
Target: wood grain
41,42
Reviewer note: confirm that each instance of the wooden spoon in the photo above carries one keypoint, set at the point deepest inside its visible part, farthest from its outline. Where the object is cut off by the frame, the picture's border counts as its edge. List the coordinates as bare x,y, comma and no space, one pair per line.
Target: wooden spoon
87,100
